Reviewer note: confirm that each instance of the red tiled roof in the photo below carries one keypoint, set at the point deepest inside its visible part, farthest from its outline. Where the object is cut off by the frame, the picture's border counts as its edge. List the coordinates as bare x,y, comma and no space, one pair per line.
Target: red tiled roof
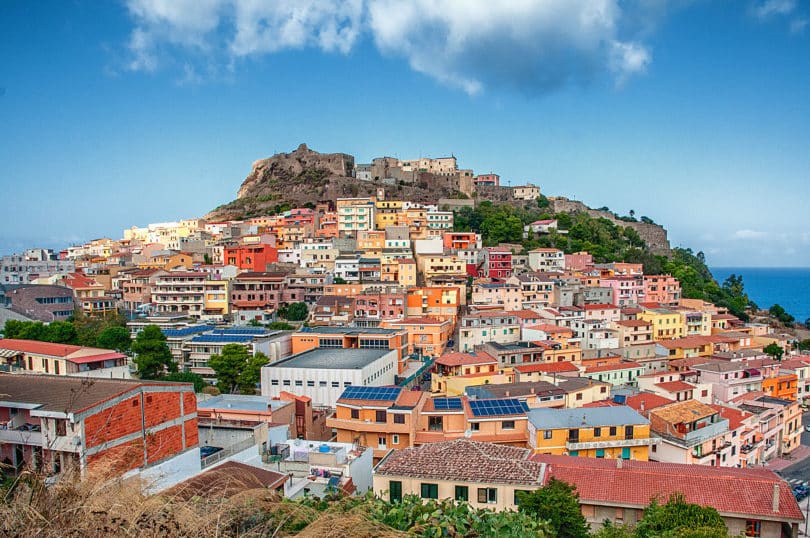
418,321
735,416
550,367
527,314
601,306
687,342
548,328
675,386
644,401
458,358
729,490
39,348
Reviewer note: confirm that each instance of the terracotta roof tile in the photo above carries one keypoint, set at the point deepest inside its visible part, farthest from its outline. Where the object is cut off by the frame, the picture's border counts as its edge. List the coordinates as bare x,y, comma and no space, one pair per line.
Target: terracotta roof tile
464,460
729,490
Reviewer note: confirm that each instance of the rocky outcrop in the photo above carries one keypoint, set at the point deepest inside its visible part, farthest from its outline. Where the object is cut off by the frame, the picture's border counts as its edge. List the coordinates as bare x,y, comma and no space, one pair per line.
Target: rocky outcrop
654,235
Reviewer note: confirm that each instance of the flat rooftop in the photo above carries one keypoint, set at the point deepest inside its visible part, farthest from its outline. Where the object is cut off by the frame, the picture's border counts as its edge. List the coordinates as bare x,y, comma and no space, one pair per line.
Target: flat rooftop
349,330
240,402
332,359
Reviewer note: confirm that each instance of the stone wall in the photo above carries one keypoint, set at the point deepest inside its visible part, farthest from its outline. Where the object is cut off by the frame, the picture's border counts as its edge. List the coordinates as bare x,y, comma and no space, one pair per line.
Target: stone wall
654,235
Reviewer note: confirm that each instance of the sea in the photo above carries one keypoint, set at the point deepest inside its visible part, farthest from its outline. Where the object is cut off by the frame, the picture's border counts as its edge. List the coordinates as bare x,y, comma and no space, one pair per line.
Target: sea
766,286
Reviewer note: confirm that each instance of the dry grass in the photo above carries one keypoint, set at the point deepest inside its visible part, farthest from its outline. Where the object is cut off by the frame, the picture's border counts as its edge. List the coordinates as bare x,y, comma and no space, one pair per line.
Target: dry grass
97,506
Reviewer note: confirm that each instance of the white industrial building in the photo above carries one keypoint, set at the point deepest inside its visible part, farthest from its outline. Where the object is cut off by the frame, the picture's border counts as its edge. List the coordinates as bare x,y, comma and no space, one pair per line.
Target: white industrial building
322,374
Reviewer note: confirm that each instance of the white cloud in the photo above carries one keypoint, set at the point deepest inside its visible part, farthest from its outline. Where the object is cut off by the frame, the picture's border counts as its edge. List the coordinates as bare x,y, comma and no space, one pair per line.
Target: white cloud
797,26
769,8
530,45
749,234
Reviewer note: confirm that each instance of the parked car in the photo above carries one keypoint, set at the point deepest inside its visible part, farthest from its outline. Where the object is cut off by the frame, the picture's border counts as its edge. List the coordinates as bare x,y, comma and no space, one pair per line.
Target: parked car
207,450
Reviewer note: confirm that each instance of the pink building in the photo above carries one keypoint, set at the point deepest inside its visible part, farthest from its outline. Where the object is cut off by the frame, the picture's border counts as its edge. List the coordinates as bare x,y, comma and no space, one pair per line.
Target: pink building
662,289
579,261
627,290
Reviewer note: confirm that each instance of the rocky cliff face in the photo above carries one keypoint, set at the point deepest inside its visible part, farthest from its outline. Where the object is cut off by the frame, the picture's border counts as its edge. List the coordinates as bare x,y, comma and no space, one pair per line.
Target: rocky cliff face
305,176
302,164
654,235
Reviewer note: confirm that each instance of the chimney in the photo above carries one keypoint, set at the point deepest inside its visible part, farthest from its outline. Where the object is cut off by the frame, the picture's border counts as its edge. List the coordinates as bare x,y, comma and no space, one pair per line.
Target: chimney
618,463
643,405
775,503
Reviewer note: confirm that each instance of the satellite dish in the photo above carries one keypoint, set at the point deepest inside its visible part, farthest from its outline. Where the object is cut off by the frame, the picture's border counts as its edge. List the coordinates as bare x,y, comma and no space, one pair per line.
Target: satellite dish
467,433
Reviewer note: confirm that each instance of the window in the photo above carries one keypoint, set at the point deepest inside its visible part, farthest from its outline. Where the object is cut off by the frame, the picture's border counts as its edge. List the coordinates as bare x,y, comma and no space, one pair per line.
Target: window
321,383
462,493
381,416
335,384
628,432
612,431
274,382
600,452
286,382
487,495
519,493
381,441
355,413
573,435
508,425
547,434
475,426
430,491
579,396
299,383
399,418
394,491
597,432
435,424
395,439
310,383
752,527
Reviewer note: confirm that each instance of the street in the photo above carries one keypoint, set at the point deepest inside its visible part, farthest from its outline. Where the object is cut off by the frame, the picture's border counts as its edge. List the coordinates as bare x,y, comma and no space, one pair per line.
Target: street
799,472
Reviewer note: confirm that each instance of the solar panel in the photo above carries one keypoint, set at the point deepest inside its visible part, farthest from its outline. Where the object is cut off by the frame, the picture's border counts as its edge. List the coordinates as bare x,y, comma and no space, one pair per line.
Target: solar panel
447,403
370,393
487,408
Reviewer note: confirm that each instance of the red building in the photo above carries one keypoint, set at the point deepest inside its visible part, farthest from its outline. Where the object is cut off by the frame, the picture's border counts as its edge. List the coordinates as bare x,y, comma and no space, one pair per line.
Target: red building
57,423
251,257
487,180
495,262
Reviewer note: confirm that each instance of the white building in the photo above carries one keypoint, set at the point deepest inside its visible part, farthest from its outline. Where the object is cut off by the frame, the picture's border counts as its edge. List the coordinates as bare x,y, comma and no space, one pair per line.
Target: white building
547,259
324,373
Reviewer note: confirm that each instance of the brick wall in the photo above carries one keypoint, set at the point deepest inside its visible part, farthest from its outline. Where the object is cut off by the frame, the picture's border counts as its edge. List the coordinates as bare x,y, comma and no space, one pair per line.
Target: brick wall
109,424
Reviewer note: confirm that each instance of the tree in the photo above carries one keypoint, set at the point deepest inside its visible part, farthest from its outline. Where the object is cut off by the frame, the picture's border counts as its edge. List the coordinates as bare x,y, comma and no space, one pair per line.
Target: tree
774,350
556,502
338,280
610,530
280,326
779,313
236,370
116,338
677,518
297,312
61,332
188,377
252,373
152,354
804,345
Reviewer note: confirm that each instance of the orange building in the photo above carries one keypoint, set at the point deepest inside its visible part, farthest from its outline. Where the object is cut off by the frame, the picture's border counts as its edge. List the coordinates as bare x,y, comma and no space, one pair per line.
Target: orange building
784,386
434,302
251,257
460,240
328,226
426,336
394,338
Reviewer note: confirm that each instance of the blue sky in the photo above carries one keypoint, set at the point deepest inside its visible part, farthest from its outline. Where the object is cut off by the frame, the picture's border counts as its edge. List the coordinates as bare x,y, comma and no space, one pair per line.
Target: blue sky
694,113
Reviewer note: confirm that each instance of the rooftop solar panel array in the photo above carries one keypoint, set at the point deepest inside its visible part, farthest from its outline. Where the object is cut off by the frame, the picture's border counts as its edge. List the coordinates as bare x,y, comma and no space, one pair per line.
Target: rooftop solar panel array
489,408
371,393
185,331
241,330
222,338
450,404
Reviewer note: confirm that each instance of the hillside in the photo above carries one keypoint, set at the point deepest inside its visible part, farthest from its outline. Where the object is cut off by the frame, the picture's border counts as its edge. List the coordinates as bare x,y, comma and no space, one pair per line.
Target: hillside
305,177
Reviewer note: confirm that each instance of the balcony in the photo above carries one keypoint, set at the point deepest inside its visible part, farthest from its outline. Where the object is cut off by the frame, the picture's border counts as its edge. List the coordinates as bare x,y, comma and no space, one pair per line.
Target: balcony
698,436
615,443
21,437
362,426
65,443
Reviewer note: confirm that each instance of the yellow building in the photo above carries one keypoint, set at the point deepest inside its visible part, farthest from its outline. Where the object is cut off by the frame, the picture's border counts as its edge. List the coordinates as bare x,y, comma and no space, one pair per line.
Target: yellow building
437,265
216,298
387,213
406,274
666,324
614,432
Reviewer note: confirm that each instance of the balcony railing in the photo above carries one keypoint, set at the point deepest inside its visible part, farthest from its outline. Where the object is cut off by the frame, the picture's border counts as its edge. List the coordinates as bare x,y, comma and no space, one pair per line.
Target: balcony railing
21,437
615,443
